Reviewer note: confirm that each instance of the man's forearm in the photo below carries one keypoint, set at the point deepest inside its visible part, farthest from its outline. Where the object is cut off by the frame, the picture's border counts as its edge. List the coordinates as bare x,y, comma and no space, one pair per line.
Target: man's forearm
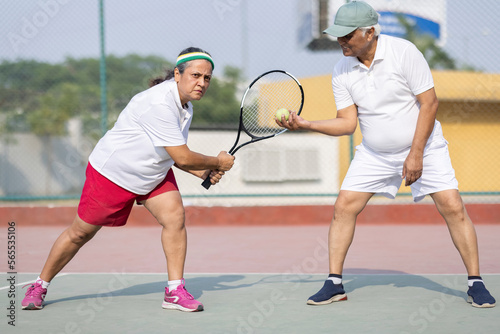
425,121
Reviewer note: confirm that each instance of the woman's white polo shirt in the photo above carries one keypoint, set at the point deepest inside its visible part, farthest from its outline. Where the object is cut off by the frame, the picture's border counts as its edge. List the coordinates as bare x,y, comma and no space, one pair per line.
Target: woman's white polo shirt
132,154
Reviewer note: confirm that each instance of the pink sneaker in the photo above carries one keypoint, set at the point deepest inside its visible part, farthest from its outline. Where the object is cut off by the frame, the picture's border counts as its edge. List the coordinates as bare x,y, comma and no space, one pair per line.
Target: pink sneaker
34,297
180,299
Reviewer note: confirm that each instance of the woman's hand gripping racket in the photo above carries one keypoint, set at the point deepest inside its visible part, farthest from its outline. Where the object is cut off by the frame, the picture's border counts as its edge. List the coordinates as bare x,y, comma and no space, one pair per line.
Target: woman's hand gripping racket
268,93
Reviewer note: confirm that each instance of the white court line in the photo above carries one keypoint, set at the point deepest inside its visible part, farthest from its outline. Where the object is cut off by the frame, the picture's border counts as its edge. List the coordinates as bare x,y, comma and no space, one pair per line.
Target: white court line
246,274
22,283
240,273
143,273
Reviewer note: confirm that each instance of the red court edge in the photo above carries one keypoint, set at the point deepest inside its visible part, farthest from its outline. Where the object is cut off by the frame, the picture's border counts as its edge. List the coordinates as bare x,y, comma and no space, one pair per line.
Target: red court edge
260,215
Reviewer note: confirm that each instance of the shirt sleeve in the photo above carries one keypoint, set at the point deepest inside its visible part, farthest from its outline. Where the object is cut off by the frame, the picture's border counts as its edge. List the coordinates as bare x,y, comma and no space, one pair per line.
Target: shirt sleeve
416,70
162,125
343,97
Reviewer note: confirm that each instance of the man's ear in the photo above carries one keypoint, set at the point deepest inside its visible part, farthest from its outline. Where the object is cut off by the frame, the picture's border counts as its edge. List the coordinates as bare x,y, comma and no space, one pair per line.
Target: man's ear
371,33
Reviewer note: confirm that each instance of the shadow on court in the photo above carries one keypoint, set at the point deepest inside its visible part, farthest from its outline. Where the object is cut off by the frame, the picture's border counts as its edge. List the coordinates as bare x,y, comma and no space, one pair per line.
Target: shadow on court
379,301
397,279
198,286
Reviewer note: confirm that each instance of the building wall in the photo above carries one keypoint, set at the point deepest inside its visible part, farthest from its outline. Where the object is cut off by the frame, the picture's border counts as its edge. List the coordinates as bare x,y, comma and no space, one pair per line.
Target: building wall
293,168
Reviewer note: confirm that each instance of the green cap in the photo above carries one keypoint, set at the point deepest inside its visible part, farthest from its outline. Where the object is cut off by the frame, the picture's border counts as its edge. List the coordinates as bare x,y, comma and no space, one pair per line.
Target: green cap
350,17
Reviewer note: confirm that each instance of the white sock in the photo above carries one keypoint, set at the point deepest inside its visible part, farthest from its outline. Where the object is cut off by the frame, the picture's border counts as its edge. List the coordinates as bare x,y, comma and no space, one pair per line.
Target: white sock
335,280
172,285
44,284
471,281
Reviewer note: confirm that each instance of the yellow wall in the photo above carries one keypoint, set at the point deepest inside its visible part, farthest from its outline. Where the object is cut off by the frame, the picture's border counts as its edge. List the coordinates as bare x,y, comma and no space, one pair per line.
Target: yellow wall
473,133
318,98
469,112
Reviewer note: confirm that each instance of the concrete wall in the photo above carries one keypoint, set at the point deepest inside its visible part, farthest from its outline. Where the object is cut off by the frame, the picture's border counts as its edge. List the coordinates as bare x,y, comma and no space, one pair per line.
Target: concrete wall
297,168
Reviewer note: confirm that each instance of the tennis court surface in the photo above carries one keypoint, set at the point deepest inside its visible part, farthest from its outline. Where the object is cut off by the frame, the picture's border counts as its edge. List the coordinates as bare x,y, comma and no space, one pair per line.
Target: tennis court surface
256,279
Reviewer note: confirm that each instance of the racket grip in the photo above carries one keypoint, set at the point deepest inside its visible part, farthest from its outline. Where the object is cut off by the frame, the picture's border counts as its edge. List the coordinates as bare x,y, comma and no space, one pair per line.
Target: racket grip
207,182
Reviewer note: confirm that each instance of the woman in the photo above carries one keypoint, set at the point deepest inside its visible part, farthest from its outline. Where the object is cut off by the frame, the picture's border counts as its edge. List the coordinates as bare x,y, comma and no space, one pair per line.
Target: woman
132,163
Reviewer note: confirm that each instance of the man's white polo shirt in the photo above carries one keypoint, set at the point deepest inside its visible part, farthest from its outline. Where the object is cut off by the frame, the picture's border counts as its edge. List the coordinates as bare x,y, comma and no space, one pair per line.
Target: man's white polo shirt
132,153
385,93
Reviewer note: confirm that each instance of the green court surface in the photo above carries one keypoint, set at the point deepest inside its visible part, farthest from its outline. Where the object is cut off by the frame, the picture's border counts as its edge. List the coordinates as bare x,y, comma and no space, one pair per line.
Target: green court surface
253,303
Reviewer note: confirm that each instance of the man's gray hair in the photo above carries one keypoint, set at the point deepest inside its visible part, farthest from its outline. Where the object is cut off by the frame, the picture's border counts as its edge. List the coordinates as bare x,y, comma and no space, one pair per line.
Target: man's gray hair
377,28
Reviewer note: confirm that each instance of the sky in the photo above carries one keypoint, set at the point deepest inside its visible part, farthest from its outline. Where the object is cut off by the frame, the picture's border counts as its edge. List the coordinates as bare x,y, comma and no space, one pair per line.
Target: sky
257,35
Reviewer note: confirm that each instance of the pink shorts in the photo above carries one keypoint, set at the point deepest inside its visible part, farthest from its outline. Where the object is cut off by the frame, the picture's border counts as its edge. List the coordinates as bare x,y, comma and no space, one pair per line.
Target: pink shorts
104,203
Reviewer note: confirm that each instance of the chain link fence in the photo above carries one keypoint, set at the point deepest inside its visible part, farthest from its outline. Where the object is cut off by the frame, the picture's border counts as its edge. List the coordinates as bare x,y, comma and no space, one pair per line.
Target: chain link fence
52,110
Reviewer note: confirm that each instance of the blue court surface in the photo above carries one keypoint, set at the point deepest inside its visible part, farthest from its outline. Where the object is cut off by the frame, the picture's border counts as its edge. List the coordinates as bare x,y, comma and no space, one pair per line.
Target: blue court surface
251,303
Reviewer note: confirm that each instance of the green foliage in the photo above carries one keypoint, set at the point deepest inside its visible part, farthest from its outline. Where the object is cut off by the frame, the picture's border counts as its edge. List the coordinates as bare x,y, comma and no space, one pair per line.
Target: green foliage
436,57
219,105
41,97
55,109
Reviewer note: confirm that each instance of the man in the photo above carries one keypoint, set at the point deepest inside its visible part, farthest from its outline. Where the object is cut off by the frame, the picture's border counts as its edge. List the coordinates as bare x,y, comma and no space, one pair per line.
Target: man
386,84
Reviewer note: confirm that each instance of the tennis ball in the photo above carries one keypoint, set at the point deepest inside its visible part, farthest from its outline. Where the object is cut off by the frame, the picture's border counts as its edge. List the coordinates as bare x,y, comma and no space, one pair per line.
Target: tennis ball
282,111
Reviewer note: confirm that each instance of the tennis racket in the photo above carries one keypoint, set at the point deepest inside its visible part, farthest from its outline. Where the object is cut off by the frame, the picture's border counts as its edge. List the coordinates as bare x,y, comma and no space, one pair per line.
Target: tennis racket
269,92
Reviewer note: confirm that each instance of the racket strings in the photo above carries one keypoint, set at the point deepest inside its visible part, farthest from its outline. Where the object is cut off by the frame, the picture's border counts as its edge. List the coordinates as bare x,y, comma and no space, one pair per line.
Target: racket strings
268,94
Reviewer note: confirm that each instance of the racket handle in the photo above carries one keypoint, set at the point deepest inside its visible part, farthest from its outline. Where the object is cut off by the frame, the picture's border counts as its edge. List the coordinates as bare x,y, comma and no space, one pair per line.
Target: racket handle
207,182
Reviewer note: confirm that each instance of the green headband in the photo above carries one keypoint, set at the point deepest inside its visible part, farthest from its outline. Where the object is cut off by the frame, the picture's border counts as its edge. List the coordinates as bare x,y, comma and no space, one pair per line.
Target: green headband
192,56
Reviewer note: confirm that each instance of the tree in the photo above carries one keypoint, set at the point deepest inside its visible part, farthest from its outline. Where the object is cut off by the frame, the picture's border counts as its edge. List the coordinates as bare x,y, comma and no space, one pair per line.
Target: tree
436,57
41,97
219,107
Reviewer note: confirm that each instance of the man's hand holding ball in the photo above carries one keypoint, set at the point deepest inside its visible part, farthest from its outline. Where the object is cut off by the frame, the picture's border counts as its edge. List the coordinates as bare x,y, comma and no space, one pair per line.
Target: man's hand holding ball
282,112
290,120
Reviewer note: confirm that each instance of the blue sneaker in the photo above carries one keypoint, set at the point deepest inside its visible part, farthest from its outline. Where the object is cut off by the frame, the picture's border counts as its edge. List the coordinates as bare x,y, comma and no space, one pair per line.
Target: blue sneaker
478,296
329,293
